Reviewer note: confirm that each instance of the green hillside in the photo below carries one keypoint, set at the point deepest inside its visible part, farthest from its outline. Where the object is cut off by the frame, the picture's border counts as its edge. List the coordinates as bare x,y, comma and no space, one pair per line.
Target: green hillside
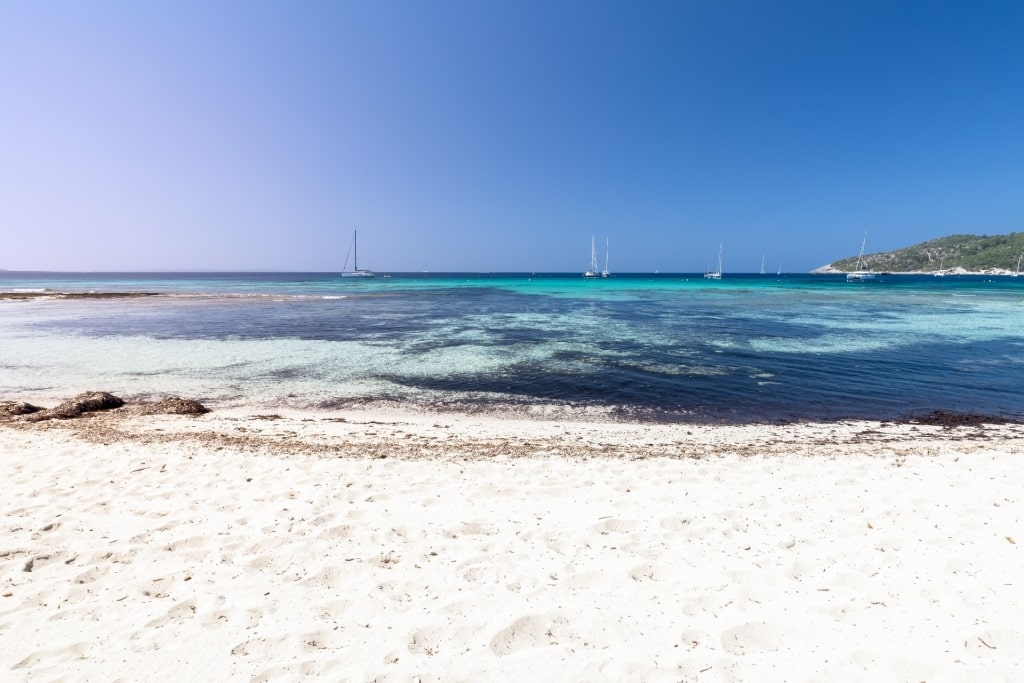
970,252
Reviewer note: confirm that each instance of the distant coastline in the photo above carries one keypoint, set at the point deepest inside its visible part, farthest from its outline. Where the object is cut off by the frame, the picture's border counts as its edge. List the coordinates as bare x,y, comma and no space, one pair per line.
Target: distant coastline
1003,272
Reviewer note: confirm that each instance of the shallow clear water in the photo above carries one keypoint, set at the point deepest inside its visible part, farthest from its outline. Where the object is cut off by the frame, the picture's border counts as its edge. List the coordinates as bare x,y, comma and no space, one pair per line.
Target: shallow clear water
649,347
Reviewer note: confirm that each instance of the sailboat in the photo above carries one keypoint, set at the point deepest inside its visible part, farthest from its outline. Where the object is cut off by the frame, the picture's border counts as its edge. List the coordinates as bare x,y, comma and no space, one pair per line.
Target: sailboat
762,264
605,272
1016,273
716,275
592,273
860,275
355,250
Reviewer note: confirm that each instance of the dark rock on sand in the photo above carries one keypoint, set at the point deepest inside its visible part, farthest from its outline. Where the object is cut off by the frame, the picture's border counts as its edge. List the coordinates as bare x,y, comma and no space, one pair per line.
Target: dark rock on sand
88,402
172,405
11,408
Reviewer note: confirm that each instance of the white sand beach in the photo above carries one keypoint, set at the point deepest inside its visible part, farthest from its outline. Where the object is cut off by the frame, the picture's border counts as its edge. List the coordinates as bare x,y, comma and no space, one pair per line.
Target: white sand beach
389,547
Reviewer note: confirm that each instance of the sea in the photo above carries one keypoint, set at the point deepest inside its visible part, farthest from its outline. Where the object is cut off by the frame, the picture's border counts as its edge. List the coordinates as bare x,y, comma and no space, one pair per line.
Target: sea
636,347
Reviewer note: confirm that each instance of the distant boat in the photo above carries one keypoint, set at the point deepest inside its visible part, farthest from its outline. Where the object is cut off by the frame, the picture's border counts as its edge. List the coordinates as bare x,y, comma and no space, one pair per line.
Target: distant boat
860,275
716,275
762,264
357,272
940,272
605,272
1016,273
592,273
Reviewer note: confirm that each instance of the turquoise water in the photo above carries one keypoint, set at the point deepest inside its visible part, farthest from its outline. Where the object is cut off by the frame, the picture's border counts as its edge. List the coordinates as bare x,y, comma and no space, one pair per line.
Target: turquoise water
645,347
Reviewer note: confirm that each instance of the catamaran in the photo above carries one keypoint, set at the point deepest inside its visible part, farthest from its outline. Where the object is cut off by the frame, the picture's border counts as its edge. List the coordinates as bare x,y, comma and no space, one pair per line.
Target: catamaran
358,272
592,273
860,274
716,275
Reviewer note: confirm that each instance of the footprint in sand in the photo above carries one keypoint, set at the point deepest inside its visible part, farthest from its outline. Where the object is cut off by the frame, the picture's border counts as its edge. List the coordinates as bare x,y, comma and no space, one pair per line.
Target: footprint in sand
644,572
328,577
180,612
288,673
615,526
752,637
339,532
333,610
50,655
286,646
471,529
482,569
429,641
675,523
234,617
385,560
530,631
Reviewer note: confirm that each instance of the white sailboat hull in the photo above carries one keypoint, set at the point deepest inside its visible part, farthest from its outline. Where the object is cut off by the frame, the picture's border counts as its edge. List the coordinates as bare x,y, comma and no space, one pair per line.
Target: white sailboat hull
716,275
859,276
357,272
592,273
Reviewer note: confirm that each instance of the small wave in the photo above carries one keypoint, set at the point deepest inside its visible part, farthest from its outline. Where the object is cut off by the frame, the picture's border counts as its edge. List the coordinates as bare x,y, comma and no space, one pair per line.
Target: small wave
27,290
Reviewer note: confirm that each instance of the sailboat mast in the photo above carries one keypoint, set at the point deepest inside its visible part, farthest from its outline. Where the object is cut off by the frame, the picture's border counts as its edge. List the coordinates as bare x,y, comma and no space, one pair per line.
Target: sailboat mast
355,246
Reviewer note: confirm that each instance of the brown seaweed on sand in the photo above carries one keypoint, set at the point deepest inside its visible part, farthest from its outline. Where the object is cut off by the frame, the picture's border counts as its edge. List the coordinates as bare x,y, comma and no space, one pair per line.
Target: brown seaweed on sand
93,401
172,405
88,402
12,408
951,420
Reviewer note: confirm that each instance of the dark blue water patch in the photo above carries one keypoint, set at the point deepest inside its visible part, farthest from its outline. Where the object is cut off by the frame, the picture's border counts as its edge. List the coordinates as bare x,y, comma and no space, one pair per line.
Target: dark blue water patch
881,385
382,317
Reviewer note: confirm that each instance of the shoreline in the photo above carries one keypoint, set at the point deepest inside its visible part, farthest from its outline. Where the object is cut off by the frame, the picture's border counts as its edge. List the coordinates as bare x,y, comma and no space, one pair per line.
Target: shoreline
402,546
494,410
413,434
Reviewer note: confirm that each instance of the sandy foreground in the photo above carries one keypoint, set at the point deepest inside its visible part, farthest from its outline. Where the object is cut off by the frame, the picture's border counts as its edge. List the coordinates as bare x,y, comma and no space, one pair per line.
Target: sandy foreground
390,547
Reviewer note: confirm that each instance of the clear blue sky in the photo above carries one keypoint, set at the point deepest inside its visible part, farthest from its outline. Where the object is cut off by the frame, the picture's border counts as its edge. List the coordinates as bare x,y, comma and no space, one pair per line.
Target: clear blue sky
500,135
